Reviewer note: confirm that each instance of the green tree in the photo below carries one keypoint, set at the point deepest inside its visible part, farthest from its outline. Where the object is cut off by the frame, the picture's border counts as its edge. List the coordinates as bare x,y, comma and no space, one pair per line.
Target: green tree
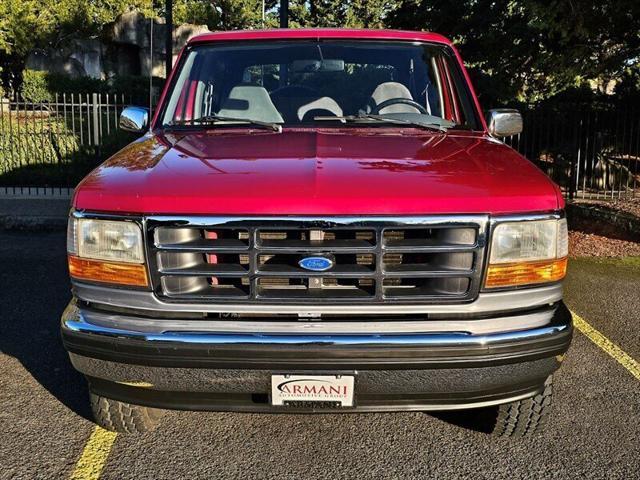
224,14
26,25
340,13
532,49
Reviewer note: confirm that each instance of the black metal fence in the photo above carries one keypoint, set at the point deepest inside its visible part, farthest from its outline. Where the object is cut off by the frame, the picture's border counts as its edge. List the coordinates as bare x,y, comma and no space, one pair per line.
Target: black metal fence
590,152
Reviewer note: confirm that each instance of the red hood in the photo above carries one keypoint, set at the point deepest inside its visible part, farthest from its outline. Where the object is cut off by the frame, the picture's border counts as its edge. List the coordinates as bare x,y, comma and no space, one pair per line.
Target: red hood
317,172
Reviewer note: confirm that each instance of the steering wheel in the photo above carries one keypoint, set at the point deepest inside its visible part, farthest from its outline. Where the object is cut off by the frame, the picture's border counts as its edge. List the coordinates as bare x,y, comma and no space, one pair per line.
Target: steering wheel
399,101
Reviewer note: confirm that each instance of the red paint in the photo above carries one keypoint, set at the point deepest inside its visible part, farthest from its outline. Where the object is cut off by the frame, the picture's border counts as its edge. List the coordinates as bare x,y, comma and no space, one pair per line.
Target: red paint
242,35
325,171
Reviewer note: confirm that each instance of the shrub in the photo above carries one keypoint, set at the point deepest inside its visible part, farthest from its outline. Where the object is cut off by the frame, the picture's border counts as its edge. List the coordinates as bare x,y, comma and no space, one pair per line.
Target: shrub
42,86
35,86
65,84
136,87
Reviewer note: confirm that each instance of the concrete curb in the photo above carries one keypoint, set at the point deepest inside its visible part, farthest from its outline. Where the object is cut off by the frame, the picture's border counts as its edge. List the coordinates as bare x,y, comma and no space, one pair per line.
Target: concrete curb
36,192
625,222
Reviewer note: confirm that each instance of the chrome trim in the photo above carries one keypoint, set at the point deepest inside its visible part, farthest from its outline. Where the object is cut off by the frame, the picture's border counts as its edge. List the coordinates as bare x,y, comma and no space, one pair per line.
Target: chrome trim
504,122
362,221
507,300
378,223
392,339
134,119
496,324
529,217
106,216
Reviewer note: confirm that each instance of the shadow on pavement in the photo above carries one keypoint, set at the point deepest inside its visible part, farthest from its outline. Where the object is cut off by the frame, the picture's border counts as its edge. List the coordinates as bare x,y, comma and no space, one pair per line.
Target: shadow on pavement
35,290
480,419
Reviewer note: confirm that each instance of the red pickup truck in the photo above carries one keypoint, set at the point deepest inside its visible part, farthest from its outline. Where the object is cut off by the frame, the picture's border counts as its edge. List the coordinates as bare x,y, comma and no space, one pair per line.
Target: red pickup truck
318,221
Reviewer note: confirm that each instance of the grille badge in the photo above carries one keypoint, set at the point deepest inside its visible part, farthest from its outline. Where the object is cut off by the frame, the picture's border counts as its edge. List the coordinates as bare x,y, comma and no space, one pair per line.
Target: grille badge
317,263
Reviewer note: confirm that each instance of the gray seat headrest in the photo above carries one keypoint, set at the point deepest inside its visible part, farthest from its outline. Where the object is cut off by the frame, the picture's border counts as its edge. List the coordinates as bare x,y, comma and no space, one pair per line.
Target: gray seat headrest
250,101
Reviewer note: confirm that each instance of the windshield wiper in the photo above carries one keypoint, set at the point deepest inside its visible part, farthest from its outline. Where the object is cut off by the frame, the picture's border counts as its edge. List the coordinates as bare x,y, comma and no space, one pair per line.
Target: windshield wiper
217,119
360,117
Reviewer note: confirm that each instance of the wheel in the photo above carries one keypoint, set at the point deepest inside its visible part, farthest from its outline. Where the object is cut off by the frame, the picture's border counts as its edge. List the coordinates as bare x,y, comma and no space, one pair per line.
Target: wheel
522,418
123,417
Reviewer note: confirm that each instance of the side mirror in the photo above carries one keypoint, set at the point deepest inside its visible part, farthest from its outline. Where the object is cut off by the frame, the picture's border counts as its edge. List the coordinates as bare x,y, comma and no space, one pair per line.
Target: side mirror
134,119
504,122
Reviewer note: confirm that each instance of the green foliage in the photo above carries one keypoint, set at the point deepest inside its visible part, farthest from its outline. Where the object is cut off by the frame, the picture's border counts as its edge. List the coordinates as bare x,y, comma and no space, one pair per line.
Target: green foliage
525,50
340,13
29,24
532,49
242,14
35,86
224,14
41,86
629,86
134,87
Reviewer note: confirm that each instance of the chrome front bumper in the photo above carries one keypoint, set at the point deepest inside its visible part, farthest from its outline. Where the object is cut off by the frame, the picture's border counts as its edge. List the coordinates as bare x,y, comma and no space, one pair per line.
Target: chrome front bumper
103,334
223,370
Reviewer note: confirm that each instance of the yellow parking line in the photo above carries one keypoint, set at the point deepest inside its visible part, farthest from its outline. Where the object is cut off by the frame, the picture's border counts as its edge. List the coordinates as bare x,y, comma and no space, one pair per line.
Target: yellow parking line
607,345
94,456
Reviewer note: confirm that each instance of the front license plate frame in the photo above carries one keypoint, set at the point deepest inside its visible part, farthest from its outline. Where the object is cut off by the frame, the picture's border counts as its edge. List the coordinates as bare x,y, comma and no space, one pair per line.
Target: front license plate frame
337,390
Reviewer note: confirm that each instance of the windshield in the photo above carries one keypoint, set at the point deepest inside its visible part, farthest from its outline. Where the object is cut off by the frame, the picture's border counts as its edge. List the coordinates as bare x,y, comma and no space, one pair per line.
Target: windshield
302,82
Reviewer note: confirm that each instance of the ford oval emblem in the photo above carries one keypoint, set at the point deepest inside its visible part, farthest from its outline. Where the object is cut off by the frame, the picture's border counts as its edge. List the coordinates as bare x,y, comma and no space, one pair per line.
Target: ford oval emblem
316,264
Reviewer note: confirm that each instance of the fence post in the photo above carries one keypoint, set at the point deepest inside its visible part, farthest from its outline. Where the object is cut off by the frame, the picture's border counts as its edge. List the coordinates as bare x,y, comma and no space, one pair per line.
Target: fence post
4,151
96,119
574,179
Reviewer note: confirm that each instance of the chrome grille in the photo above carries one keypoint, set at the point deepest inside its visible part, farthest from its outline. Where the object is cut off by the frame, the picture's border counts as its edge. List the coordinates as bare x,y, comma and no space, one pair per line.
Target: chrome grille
382,259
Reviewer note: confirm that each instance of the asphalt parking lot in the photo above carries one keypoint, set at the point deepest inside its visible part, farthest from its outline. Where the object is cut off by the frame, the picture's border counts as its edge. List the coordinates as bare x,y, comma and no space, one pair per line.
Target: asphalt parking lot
593,432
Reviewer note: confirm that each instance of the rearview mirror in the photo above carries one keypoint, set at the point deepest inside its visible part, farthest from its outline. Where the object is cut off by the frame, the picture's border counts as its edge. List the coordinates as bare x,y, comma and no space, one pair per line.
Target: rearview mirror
504,122
134,119
312,66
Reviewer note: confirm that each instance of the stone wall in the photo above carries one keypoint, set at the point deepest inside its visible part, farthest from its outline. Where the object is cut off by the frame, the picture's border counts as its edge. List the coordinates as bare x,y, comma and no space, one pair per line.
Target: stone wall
126,47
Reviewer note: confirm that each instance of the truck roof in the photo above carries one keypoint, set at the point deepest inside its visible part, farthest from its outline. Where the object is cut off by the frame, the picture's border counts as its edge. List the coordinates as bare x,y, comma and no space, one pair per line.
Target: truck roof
297,33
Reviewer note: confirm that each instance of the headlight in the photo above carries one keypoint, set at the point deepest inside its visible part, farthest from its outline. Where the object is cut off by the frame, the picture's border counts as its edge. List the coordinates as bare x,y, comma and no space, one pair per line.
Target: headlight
106,251
529,252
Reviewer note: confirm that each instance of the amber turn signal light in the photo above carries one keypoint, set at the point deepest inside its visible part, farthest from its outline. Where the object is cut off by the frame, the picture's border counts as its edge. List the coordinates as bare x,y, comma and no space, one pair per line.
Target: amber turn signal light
132,274
525,273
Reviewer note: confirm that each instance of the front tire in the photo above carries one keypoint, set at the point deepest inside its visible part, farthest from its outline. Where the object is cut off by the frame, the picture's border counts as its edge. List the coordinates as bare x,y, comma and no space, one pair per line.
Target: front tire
524,417
123,417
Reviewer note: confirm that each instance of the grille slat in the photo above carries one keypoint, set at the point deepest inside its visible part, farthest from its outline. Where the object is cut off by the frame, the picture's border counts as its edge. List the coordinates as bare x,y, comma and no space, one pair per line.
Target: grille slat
380,259
203,245
417,271
427,249
317,245
218,270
